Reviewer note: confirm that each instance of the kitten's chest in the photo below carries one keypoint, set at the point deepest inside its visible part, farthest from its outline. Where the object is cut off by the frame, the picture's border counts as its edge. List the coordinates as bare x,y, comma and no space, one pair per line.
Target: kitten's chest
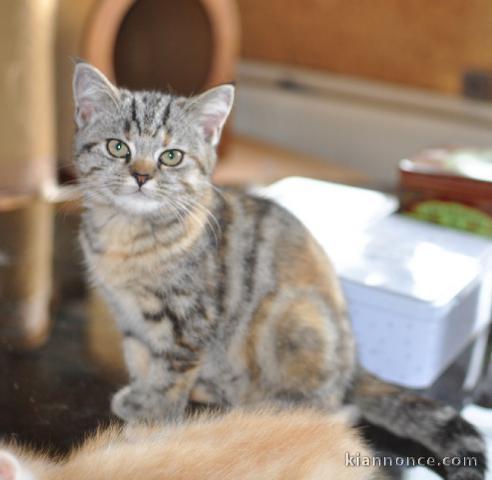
122,273
123,256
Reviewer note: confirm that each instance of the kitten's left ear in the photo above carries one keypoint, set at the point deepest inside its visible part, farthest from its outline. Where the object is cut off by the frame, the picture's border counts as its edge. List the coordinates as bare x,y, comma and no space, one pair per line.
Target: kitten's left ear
10,468
213,108
93,93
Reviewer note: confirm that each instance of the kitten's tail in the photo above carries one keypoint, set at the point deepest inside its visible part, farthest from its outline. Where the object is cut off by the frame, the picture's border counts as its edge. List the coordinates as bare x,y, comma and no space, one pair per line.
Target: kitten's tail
458,448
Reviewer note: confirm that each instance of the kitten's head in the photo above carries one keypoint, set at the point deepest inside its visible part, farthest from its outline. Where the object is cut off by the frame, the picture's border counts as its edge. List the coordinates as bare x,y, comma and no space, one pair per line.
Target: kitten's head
144,151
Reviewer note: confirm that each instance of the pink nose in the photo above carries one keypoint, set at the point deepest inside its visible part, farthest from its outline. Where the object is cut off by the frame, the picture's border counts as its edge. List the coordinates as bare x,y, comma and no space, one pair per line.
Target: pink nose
141,178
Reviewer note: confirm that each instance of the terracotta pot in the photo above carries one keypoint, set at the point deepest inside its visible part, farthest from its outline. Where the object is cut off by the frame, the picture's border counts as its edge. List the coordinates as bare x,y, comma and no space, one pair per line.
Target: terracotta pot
187,45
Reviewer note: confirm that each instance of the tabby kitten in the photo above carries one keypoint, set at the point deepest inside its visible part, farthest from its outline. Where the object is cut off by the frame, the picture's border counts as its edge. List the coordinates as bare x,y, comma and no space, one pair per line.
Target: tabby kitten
259,445
222,297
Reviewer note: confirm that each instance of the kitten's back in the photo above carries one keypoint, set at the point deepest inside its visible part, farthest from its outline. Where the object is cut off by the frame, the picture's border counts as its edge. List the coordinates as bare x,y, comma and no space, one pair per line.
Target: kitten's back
256,445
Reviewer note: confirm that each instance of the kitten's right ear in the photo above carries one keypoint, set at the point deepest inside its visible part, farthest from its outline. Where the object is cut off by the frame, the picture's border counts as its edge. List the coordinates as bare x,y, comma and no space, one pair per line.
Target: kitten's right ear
10,468
93,93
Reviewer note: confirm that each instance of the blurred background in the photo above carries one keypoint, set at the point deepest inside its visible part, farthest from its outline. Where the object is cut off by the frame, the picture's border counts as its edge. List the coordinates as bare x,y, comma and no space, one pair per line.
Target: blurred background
390,96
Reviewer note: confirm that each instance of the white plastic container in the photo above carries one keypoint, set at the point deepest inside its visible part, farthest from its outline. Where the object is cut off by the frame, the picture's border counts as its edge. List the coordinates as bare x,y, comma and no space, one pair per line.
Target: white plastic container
417,293
330,210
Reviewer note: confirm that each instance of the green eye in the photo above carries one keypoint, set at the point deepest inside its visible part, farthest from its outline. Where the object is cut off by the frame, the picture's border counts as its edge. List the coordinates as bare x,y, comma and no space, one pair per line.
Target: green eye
118,149
171,157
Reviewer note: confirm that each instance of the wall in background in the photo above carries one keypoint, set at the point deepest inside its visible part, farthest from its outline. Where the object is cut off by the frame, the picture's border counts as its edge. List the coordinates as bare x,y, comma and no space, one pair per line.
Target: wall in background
415,42
365,125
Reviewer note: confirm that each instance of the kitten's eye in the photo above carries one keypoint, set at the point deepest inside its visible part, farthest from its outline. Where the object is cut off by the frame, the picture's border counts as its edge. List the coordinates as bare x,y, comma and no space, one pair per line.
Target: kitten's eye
118,149
172,157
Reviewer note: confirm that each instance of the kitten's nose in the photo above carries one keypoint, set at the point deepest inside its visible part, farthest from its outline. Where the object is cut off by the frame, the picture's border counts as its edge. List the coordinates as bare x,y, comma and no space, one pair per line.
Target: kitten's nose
141,178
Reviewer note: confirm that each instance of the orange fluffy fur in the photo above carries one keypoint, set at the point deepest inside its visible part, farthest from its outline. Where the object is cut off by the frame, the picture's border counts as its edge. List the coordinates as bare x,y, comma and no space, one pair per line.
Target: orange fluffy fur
256,445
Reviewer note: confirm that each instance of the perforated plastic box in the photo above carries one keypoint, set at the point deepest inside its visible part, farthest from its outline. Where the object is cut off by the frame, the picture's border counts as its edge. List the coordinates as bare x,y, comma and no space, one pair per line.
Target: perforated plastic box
417,295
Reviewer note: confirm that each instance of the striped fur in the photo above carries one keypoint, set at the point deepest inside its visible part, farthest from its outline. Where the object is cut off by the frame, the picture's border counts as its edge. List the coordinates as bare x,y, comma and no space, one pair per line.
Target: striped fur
222,297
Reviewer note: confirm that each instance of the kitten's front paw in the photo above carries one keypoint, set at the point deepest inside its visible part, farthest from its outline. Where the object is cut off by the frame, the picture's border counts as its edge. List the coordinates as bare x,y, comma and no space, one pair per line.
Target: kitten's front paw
134,404
130,404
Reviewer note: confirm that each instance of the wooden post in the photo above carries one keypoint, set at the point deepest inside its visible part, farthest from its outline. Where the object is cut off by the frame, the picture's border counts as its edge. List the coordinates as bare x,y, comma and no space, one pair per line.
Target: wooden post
27,163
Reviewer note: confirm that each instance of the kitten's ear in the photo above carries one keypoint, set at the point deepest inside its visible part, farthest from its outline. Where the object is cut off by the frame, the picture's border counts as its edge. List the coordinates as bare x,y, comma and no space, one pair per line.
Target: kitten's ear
10,468
92,92
213,108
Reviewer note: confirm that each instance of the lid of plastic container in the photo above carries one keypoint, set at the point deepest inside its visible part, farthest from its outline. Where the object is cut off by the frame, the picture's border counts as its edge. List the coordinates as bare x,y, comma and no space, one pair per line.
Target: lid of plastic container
422,261
330,209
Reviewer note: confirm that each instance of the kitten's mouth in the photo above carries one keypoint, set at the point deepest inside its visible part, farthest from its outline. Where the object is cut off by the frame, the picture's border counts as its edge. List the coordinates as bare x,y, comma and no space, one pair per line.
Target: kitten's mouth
137,201
135,193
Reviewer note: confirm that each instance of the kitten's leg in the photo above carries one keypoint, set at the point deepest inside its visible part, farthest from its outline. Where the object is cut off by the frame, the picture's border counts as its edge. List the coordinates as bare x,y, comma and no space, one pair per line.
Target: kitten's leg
174,344
299,352
137,358
163,394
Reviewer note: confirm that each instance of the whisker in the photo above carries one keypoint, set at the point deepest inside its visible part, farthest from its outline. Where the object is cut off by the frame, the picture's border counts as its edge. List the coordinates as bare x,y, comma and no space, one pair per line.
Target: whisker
215,229
207,211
